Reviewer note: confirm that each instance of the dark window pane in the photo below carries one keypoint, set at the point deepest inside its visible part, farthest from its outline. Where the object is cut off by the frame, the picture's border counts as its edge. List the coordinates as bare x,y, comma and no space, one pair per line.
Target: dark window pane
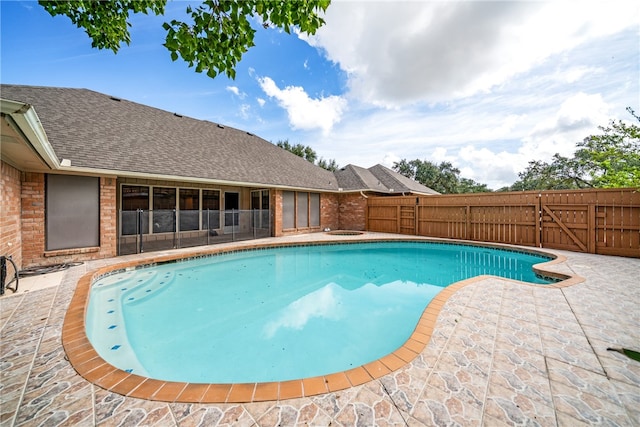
135,197
210,209
189,209
164,198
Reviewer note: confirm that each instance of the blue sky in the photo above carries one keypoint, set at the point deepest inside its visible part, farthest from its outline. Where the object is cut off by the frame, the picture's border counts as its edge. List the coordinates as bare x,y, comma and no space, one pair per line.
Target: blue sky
485,85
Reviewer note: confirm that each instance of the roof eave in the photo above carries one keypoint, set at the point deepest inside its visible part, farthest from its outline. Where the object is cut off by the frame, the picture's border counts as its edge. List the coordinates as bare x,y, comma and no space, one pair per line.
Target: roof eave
26,119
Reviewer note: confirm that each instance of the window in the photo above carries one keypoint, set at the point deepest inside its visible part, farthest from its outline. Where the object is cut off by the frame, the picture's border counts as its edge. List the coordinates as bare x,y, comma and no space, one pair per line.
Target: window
260,207
72,209
314,209
168,209
189,209
134,197
210,209
164,205
288,209
300,210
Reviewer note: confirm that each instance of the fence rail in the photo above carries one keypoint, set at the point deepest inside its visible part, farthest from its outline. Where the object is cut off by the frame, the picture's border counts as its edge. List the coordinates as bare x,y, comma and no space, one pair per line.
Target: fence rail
601,221
153,230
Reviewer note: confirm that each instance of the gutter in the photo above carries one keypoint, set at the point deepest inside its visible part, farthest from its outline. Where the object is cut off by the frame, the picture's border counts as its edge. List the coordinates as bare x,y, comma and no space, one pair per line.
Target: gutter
26,122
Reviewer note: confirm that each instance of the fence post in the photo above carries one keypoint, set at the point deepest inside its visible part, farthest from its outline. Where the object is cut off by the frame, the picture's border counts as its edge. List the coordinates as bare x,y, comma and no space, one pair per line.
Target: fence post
140,247
592,210
467,227
175,228
539,242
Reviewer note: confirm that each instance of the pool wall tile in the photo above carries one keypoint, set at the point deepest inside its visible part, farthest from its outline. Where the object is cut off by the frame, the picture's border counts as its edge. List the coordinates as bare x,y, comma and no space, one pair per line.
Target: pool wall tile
169,392
217,393
290,390
266,392
337,381
314,386
241,393
393,362
358,376
376,369
193,393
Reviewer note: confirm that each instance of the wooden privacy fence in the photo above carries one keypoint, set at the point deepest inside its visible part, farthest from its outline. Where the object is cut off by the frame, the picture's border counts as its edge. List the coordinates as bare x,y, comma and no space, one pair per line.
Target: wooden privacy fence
600,221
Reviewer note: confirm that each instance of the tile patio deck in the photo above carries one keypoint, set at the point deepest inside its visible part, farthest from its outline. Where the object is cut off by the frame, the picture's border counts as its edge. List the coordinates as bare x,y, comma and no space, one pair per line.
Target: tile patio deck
501,354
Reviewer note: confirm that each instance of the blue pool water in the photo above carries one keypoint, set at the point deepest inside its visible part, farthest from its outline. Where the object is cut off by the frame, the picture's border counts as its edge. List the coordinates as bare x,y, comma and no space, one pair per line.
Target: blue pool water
279,314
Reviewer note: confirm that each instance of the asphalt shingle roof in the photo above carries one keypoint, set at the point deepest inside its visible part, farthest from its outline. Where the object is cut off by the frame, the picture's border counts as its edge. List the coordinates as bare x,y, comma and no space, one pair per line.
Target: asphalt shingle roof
97,131
379,179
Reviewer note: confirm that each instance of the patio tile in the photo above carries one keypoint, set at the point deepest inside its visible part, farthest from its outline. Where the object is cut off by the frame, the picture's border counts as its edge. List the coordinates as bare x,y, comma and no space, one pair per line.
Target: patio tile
516,408
370,407
587,407
437,407
487,361
570,348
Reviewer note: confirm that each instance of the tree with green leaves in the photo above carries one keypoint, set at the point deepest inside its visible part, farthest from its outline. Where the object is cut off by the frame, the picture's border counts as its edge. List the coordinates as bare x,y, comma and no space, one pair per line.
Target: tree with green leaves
215,36
608,160
443,178
309,155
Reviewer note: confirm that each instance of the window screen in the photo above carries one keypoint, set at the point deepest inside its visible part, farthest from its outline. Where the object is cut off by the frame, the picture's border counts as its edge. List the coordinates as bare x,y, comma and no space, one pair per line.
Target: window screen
288,209
72,212
164,204
314,209
302,210
210,209
189,209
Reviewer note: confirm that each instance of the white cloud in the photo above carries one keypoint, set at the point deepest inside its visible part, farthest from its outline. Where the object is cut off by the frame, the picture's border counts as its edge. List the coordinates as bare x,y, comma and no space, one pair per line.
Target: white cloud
304,112
404,52
236,91
261,101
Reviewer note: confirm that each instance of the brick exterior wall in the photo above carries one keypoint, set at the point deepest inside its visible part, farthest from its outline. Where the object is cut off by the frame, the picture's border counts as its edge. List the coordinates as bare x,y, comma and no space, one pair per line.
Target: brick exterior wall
10,207
32,197
276,212
33,225
337,212
353,209
329,211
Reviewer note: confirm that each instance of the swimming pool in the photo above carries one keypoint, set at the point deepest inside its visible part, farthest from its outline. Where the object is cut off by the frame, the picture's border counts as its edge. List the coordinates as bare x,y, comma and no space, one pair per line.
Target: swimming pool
280,313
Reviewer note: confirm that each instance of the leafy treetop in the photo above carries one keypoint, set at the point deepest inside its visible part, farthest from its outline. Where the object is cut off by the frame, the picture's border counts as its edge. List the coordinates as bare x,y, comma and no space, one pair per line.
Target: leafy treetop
213,40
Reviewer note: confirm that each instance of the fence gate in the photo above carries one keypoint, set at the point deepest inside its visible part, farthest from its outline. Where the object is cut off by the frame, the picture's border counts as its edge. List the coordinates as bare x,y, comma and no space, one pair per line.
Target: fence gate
568,227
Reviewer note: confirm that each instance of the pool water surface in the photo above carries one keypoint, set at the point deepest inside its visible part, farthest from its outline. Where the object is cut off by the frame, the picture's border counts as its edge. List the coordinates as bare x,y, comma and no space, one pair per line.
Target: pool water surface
280,313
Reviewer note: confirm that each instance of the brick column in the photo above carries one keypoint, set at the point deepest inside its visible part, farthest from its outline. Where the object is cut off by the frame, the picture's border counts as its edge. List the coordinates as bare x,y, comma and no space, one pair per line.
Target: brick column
276,209
10,207
32,198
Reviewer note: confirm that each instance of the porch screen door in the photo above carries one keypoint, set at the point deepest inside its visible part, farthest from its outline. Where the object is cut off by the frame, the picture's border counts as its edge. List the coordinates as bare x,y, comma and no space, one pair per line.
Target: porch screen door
231,204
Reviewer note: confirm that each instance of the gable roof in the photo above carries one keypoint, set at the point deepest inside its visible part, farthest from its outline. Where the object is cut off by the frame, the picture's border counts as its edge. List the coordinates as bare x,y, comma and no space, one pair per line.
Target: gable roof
378,179
98,132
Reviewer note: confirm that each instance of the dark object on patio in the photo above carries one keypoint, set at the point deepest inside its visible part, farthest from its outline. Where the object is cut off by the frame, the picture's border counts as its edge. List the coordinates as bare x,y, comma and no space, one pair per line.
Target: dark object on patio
213,233
629,353
34,271
3,275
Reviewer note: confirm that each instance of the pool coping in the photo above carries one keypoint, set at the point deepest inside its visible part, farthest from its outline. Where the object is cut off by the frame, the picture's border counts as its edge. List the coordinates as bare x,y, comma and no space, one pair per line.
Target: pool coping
91,366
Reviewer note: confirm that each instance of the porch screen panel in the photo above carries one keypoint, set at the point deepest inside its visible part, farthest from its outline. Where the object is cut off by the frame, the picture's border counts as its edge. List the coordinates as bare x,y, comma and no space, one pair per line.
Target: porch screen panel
210,209
314,210
164,204
72,214
302,210
134,197
189,209
288,209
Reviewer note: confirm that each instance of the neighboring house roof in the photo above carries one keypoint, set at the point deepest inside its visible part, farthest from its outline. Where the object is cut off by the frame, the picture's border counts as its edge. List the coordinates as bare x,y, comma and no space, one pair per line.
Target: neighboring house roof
99,132
378,179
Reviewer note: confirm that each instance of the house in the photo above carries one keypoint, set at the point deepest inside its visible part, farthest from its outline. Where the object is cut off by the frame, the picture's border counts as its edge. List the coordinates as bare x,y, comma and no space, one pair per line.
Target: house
87,175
